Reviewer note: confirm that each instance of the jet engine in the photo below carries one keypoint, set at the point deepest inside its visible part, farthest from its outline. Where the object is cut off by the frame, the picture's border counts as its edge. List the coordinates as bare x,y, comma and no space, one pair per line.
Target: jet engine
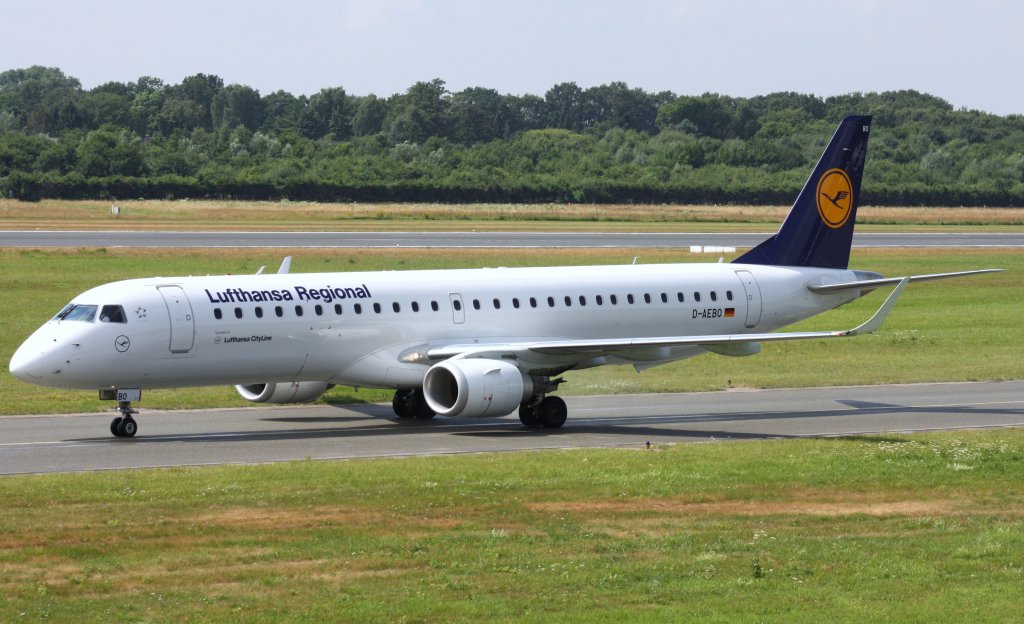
475,388
287,392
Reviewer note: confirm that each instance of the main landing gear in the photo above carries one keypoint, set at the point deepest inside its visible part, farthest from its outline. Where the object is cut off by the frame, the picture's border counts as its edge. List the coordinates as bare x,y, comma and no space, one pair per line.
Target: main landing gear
410,403
549,412
124,426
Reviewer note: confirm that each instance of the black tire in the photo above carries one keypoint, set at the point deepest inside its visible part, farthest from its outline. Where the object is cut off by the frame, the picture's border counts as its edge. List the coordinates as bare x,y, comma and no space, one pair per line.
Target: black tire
402,404
115,426
528,416
421,410
128,428
552,412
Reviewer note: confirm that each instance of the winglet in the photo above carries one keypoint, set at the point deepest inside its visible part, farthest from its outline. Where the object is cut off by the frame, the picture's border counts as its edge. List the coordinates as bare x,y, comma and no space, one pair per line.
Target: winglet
873,323
286,265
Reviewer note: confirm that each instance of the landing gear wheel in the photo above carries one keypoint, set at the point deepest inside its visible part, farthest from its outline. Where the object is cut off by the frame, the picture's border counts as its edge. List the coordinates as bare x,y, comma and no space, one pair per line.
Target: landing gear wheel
128,428
410,403
124,426
422,410
552,412
528,416
402,403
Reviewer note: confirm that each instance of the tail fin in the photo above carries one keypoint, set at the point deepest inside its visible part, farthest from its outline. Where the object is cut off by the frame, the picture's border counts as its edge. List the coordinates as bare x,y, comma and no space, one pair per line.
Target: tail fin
819,228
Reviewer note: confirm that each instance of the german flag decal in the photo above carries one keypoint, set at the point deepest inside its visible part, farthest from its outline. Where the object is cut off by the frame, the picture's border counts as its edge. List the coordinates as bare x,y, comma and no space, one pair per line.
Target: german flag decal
730,312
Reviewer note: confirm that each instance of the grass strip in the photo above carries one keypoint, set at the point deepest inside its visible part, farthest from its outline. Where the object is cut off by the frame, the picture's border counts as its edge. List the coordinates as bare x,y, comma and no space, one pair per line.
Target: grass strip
918,528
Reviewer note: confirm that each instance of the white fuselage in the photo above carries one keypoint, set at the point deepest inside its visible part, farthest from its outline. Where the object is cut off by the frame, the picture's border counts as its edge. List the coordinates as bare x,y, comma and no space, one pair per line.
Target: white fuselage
355,328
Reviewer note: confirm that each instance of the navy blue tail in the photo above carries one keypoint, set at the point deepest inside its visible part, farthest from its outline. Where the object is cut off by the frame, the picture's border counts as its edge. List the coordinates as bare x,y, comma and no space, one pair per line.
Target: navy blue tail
818,231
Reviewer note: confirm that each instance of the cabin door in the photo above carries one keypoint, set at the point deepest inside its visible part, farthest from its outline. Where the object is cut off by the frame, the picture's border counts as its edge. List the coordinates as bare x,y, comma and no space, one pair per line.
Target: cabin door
183,325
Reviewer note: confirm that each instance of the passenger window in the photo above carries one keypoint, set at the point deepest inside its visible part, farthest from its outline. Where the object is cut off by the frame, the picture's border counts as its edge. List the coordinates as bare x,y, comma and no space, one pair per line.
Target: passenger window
568,301
664,297
533,302
476,304
376,308
319,309
337,309
647,297
259,312
583,300
680,297
279,311
696,297
515,303
238,313
358,308
217,313
728,295
497,304
551,302
630,299
298,310
434,306
600,300
415,306
457,304
714,296
614,299
397,308
112,314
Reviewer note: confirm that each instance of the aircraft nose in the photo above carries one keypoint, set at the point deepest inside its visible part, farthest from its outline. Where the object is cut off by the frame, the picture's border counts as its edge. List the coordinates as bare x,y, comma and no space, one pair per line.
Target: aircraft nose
29,362
25,363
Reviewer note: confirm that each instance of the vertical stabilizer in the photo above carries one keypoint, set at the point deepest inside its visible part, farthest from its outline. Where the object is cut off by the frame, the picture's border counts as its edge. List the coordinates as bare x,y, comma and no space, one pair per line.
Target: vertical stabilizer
818,230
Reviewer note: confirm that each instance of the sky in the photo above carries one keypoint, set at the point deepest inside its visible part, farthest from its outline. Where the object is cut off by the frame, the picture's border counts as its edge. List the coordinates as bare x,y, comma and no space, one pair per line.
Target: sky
968,52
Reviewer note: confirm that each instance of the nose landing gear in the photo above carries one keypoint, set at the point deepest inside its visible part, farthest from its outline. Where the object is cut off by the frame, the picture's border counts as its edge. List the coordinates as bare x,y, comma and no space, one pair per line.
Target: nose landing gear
124,426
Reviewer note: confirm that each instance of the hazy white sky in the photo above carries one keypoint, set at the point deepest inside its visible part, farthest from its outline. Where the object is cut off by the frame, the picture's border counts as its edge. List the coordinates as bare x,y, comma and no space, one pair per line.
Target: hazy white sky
968,52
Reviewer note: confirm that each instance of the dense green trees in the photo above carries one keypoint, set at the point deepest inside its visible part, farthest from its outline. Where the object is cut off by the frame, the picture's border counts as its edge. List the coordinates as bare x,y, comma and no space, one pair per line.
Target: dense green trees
609,143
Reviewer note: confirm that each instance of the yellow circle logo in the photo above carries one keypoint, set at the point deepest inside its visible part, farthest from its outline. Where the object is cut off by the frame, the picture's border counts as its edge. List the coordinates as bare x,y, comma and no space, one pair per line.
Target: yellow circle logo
835,197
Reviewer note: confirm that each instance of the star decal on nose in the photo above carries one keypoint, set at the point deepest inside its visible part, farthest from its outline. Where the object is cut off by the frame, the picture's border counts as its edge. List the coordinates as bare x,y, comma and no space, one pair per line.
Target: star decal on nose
140,312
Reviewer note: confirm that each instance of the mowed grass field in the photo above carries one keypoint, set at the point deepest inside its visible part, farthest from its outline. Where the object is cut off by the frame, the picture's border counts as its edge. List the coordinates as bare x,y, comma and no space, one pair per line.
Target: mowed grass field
241,215
923,528
955,330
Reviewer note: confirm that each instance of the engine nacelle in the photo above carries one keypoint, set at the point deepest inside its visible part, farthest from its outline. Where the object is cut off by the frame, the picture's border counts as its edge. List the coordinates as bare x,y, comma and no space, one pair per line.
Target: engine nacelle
288,392
473,388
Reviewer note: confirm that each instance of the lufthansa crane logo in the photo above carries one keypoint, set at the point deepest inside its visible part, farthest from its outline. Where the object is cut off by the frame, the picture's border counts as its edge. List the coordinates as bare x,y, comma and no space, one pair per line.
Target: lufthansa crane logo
835,197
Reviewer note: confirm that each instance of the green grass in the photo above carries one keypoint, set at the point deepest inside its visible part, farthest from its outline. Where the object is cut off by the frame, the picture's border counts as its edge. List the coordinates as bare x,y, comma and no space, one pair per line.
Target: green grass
956,330
919,528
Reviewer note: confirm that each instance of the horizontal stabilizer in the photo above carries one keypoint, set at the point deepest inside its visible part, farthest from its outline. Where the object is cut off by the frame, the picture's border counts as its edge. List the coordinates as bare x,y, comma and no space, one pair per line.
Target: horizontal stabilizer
871,284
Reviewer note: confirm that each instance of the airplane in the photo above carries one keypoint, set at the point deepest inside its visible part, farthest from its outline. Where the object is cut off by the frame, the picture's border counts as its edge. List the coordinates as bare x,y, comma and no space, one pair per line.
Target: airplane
466,343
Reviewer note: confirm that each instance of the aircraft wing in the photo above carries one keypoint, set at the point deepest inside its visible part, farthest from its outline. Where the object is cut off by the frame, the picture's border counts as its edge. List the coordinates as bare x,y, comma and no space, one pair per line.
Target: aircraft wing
601,346
872,284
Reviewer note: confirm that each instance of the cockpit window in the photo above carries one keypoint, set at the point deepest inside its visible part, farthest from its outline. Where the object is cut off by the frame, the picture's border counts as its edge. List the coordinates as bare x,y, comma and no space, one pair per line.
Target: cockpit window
77,312
112,314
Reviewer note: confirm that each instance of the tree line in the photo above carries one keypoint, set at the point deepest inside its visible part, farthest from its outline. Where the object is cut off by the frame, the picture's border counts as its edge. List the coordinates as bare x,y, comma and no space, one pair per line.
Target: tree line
608,143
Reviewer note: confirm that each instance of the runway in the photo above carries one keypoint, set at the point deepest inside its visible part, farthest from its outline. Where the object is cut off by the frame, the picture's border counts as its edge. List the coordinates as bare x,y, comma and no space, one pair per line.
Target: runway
366,240
65,443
